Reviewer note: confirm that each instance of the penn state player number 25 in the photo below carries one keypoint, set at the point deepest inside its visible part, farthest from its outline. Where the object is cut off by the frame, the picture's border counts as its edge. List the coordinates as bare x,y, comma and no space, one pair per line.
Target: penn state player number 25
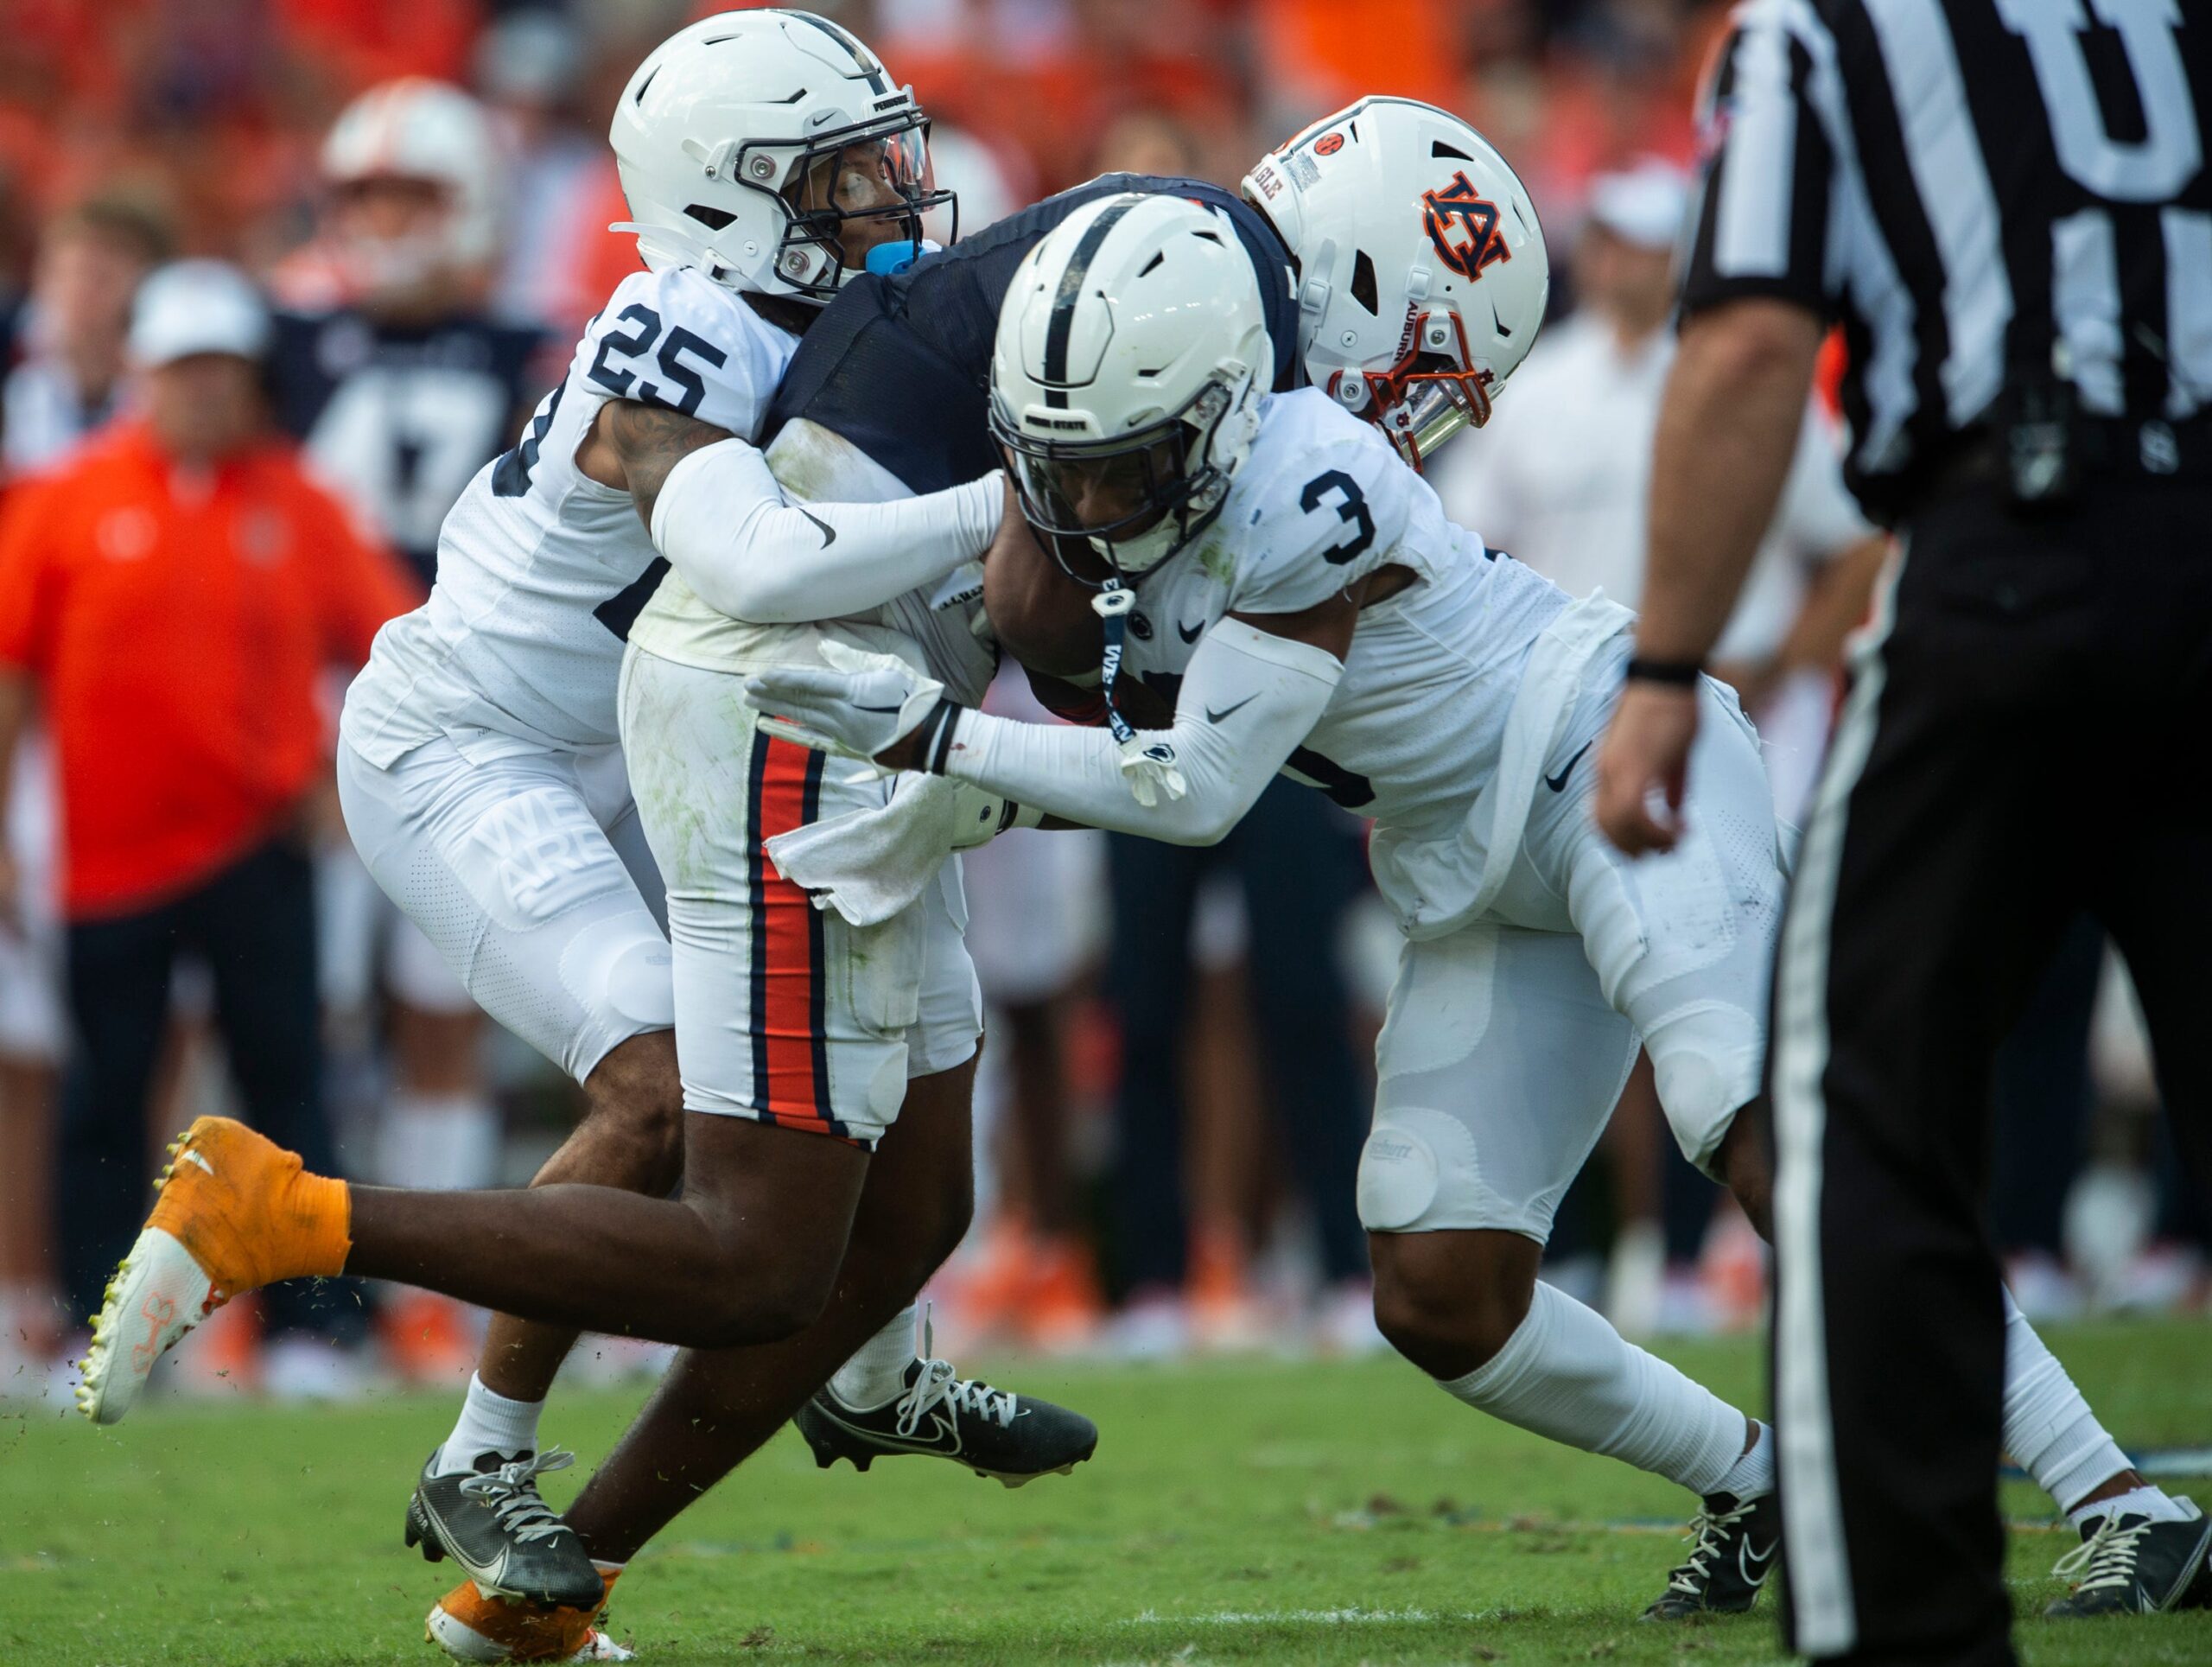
674,344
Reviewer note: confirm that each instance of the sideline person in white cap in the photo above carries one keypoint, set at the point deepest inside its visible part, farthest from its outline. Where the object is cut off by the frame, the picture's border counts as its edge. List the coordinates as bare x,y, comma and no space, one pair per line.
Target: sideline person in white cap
171,593
1563,487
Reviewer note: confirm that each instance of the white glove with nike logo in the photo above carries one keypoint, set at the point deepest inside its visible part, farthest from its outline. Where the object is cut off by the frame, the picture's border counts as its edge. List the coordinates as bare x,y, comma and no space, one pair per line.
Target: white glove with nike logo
858,707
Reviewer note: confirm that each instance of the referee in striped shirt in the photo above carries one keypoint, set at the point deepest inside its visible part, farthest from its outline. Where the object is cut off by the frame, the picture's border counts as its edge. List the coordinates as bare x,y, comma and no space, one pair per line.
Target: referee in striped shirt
2006,206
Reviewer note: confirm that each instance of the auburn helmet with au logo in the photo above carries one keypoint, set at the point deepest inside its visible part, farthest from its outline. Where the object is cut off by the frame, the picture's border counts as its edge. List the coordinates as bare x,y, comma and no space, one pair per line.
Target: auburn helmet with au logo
1422,272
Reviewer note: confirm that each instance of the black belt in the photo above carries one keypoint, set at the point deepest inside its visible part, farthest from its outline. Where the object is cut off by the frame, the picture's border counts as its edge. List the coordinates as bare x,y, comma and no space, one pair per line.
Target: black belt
2103,449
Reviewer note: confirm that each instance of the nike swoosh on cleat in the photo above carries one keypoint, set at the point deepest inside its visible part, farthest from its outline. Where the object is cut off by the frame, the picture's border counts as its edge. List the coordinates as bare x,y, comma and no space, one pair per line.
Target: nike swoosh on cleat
1558,783
1213,716
1189,632
829,532
1745,1557
881,1440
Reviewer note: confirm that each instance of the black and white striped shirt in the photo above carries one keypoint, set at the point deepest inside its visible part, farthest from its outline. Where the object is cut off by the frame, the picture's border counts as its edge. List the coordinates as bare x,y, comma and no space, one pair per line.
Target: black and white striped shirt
1983,192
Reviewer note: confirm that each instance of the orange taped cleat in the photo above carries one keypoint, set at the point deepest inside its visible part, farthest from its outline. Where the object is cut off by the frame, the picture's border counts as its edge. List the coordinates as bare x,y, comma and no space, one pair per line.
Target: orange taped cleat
236,1212
469,1626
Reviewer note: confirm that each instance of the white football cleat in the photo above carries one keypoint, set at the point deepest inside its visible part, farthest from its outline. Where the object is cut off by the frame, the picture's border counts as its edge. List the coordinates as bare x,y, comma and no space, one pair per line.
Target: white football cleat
157,1296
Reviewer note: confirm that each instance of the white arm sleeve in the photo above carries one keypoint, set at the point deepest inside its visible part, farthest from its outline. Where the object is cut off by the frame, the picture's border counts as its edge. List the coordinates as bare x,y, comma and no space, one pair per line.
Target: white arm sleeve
722,521
1246,700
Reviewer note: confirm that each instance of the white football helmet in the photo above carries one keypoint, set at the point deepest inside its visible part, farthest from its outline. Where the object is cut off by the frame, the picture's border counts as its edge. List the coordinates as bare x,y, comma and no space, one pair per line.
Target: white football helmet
1422,272
732,139
1126,377
418,130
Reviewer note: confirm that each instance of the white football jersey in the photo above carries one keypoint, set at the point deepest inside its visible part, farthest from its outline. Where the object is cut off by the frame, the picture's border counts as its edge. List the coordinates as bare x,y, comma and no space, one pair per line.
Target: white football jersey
541,569
1416,727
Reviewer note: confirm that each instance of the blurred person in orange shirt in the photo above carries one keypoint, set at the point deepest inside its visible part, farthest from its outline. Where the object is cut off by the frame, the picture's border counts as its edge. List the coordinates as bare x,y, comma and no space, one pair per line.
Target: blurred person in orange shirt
168,596
64,360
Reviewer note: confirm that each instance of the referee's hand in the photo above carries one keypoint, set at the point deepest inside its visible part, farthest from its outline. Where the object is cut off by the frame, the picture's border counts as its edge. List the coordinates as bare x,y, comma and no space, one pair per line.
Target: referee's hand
1643,767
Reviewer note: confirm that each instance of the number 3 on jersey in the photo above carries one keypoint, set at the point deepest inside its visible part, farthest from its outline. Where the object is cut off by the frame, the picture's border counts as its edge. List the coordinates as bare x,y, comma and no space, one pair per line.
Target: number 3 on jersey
674,344
1351,509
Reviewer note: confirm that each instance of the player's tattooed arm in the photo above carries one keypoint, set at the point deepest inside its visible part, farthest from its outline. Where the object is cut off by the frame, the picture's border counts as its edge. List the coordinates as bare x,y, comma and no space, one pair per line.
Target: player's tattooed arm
634,446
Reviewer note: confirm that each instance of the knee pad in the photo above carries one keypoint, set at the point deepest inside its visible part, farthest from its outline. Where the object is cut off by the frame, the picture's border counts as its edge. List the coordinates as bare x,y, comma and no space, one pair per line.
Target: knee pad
1417,1173
1705,1060
621,966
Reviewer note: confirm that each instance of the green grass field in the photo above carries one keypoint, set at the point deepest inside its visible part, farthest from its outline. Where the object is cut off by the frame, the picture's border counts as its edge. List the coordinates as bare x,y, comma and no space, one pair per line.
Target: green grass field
1247,1511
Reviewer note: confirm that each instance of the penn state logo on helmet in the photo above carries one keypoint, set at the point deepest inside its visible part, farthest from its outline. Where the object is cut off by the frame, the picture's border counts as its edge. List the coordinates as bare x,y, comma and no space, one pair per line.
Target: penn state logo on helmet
1462,223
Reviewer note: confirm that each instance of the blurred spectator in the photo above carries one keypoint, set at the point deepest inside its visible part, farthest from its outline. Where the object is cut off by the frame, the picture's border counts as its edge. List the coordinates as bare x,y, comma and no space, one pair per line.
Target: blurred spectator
403,387
170,594
1295,859
1033,930
530,70
65,365
63,380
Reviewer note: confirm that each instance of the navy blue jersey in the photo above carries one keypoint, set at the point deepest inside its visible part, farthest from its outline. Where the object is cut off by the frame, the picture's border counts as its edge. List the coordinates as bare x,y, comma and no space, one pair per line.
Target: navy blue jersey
901,366
399,418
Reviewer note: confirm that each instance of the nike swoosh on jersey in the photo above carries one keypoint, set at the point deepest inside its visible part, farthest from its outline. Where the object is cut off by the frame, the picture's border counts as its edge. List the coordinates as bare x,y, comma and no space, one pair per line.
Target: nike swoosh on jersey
1189,632
1558,783
1213,716
829,532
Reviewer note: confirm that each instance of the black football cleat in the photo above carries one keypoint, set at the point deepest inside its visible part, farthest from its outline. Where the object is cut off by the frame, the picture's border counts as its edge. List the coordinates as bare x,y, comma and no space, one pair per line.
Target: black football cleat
1733,1547
2131,1566
995,1433
493,1523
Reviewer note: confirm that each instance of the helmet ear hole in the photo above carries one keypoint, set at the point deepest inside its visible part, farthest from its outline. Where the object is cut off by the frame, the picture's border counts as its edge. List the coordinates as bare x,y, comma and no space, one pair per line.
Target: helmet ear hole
1363,288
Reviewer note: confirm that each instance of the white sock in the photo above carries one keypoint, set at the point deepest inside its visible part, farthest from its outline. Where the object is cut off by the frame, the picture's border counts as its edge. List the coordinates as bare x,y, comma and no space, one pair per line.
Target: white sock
2145,1501
1566,1374
1751,1476
876,1375
490,1422
433,1141
2049,1429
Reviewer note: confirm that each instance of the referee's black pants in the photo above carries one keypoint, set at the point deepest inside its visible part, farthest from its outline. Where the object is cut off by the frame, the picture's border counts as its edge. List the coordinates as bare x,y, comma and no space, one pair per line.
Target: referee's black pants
2029,740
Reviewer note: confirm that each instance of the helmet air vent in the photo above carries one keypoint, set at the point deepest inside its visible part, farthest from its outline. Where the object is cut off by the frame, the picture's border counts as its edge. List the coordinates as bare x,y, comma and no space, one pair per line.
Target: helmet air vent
1362,284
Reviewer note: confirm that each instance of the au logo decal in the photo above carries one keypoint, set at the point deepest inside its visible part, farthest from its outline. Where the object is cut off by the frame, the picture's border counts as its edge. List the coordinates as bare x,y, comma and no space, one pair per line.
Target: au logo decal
1463,226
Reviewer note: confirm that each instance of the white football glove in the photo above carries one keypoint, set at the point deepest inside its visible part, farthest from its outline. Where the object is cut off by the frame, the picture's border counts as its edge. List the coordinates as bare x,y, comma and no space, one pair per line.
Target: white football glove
855,709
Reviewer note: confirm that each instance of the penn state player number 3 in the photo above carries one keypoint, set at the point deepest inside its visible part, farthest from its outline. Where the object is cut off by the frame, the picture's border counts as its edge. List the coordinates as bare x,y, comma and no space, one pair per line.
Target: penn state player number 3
1351,508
